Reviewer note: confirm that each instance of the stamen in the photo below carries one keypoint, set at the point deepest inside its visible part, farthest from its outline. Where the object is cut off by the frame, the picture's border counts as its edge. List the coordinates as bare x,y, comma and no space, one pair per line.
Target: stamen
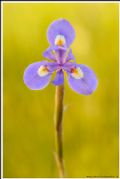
60,40
43,71
77,73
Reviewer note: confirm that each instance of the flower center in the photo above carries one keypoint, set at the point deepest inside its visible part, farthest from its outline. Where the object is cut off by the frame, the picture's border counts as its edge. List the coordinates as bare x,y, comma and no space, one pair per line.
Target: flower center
59,68
60,40
77,73
43,71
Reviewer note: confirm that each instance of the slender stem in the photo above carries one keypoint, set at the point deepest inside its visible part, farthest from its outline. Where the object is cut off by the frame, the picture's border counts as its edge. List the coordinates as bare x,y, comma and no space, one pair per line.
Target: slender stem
58,128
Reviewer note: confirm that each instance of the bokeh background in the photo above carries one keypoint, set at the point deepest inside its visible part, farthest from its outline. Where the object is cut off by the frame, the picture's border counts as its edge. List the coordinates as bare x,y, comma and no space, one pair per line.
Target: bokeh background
90,122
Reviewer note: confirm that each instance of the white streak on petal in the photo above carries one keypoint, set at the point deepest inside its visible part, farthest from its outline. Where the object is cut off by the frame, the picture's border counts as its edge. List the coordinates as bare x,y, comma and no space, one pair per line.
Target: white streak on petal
43,71
60,40
77,73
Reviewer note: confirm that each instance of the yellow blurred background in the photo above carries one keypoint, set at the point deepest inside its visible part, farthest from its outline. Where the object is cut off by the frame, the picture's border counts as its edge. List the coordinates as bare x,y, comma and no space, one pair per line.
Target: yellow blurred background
90,122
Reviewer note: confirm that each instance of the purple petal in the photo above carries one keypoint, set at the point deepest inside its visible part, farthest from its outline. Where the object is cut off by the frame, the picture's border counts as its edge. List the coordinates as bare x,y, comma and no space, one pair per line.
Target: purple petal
68,65
70,56
33,80
59,54
59,79
49,54
87,84
65,55
52,66
61,27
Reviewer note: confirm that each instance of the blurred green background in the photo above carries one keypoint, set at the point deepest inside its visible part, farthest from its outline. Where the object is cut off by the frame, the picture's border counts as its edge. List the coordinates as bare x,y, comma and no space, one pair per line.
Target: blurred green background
90,122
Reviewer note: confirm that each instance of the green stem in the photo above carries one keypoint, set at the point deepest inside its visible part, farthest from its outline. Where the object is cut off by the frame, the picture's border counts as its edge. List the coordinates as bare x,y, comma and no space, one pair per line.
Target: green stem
58,128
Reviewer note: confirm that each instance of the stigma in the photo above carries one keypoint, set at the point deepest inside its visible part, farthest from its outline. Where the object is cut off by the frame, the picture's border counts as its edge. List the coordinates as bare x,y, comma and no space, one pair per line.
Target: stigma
43,71
77,73
60,40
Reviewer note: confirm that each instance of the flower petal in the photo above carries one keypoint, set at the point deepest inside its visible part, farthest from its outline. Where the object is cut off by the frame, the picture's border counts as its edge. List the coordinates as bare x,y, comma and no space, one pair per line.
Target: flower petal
55,53
70,56
33,79
87,84
59,54
68,66
61,30
59,79
49,54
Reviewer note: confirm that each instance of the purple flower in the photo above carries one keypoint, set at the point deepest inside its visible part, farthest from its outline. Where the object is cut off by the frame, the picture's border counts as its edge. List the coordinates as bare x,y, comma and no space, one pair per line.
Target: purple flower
81,78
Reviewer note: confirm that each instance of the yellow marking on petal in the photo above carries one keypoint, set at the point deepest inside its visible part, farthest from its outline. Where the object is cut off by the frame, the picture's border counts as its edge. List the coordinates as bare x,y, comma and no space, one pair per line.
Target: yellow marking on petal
43,71
60,40
77,73
53,52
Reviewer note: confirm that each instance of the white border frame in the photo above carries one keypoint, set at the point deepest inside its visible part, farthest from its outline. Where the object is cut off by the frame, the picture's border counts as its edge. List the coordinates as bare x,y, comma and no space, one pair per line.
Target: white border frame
6,2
